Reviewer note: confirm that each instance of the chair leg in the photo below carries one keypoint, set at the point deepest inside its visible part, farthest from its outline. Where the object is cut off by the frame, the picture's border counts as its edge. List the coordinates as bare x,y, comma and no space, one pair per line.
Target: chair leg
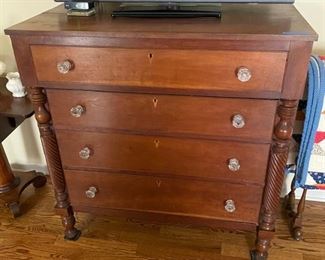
295,218
290,200
296,223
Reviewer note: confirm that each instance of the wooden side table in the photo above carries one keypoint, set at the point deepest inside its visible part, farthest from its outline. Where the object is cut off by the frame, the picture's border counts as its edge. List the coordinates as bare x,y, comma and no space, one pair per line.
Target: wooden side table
13,111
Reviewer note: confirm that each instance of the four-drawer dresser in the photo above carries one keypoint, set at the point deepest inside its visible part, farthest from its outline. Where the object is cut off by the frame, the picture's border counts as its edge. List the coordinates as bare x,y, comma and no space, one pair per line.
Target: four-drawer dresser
176,120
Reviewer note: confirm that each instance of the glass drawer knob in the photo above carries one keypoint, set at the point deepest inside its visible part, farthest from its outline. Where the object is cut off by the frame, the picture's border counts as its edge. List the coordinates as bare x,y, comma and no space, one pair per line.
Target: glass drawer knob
233,164
238,121
230,206
244,74
77,111
85,153
64,66
91,192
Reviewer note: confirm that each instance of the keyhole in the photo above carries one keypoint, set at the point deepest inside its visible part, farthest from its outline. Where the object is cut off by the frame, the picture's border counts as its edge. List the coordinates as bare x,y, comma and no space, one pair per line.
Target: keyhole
155,102
158,182
150,56
157,142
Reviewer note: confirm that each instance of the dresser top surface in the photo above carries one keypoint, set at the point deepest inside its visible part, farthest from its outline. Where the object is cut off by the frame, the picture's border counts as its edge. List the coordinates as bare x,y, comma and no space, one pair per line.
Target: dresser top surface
239,21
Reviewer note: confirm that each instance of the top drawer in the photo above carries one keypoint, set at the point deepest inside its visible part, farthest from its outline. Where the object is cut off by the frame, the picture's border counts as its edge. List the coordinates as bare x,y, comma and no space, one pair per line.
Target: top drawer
176,69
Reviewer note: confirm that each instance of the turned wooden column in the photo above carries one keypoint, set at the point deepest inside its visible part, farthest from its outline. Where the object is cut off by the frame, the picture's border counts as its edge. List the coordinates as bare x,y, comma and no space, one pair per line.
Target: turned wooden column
50,146
279,153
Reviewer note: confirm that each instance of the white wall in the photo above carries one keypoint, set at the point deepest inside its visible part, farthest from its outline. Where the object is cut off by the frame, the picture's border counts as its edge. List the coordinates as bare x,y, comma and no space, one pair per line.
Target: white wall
23,146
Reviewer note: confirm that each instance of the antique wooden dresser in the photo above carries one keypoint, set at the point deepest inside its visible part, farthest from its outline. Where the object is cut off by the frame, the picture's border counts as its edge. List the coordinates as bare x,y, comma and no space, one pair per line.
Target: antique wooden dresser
177,120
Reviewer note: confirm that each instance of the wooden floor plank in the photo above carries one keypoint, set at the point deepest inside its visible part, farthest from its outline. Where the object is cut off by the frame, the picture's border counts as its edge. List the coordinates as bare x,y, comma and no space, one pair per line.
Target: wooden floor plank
37,234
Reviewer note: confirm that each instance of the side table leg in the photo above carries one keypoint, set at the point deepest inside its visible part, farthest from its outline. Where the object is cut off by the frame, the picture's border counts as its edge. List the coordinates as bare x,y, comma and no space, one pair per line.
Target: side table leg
12,185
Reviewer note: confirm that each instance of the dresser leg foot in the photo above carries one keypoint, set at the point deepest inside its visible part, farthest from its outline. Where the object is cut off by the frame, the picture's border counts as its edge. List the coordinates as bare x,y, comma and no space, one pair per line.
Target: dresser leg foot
72,235
255,255
297,233
262,244
69,221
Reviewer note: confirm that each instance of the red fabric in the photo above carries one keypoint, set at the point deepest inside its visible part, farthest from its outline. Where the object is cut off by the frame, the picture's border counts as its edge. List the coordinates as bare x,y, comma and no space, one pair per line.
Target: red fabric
320,136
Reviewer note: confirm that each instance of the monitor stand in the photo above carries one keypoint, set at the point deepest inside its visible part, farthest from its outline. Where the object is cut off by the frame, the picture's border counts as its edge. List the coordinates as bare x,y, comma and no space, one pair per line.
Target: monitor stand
168,10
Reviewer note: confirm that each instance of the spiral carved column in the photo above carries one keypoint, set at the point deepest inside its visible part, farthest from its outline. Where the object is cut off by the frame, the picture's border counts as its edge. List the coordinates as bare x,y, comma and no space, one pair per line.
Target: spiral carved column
274,180
50,147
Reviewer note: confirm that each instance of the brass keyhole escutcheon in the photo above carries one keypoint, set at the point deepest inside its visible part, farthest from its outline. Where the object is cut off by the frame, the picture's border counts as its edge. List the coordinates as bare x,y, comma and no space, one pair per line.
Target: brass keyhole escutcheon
155,102
156,142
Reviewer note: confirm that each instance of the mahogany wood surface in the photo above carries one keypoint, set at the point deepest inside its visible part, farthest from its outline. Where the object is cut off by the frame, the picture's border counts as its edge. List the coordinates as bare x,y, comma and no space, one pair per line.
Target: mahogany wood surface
160,144
270,22
190,69
160,218
164,114
165,195
163,155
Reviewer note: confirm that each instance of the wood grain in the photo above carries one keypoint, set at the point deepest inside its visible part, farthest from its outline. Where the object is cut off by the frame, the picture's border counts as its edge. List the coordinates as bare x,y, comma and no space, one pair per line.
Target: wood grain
190,69
165,195
271,22
164,156
153,114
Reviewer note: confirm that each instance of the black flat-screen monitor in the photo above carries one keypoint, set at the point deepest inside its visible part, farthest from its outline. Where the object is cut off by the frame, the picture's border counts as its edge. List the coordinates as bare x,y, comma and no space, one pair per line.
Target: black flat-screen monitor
186,1
160,8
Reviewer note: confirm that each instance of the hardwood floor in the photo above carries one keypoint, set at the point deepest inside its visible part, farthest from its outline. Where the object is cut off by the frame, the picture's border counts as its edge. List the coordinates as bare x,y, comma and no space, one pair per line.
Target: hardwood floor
38,235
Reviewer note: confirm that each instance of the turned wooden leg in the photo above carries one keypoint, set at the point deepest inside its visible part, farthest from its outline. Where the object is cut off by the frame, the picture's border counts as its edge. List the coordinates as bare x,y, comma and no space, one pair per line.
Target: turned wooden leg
290,199
296,222
12,185
275,175
51,149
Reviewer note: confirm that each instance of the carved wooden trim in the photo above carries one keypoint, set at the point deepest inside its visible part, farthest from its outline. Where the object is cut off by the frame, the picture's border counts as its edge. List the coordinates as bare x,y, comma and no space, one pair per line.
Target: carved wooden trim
52,155
275,175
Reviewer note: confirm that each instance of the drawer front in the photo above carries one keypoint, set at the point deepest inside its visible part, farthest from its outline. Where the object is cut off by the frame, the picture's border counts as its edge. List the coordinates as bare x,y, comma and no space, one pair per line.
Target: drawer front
162,155
176,69
165,195
164,114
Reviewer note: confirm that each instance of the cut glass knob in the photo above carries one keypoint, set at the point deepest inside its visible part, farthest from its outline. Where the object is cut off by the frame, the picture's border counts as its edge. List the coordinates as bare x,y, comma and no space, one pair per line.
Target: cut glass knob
233,164
77,111
238,121
85,153
230,206
64,66
91,192
244,74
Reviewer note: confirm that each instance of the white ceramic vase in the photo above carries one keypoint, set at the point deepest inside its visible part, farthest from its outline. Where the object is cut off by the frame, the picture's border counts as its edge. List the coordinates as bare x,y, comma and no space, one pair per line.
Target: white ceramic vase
14,85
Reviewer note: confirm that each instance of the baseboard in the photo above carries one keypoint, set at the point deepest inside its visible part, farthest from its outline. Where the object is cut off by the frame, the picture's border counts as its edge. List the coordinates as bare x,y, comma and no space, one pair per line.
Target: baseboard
30,167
